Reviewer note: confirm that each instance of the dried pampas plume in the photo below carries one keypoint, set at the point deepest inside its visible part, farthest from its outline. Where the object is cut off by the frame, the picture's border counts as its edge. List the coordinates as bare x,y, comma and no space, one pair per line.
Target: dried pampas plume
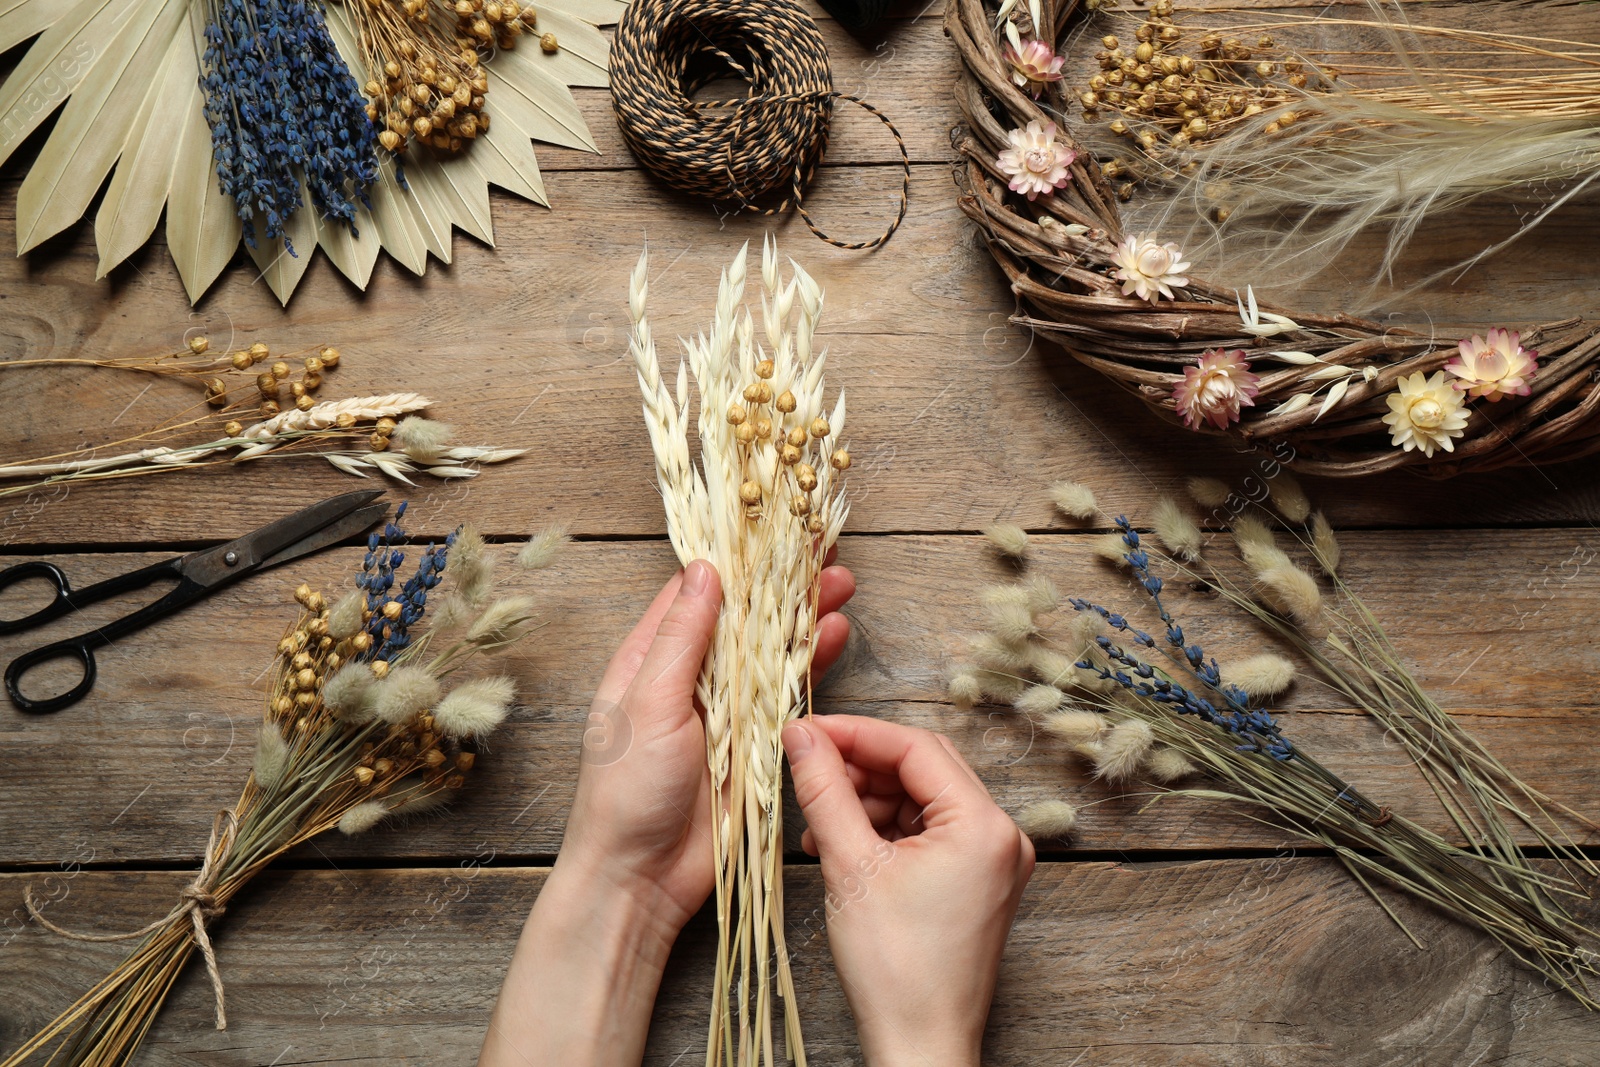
1076,726
1123,750
1168,765
1175,529
1037,701
543,548
1208,492
1324,545
1289,498
965,689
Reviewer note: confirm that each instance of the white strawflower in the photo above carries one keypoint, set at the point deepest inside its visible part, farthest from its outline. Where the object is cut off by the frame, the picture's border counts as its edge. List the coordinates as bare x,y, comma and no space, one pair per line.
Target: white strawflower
1426,413
1149,269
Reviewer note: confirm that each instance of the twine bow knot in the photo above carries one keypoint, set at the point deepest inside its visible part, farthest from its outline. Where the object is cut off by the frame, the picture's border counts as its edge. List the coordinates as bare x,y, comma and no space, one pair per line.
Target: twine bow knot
198,901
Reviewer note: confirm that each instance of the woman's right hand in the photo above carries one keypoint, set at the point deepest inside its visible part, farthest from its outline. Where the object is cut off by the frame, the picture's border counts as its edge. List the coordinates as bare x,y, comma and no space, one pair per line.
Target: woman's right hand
924,873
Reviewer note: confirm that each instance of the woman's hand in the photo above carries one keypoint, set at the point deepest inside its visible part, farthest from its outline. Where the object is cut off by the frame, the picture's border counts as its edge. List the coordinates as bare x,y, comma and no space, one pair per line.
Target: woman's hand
924,873
637,860
641,817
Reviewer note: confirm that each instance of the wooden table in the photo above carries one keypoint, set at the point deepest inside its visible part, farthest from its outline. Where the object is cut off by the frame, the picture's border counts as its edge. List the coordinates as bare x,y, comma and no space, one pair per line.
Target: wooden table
1179,935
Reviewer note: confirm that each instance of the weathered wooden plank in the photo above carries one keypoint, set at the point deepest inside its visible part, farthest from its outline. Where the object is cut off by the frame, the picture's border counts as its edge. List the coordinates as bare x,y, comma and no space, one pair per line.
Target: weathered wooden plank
137,770
1242,962
956,419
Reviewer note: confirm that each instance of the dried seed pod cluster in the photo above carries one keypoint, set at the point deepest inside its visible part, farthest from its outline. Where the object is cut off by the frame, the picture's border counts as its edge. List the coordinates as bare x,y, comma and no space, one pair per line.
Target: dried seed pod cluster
1172,88
425,76
273,383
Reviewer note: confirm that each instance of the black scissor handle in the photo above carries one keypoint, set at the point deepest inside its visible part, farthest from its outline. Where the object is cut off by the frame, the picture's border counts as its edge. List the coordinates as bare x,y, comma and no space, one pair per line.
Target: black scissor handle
58,606
79,648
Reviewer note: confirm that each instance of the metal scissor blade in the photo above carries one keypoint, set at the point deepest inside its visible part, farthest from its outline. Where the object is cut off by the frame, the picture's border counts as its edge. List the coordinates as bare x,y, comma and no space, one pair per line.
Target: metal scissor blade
354,523
286,536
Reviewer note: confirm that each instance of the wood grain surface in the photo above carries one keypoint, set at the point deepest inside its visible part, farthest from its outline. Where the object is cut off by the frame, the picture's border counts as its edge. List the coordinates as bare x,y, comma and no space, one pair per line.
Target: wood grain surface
1209,940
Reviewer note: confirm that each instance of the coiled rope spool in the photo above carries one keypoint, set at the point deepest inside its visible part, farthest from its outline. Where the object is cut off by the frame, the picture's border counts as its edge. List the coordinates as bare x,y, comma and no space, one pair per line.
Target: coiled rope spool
749,151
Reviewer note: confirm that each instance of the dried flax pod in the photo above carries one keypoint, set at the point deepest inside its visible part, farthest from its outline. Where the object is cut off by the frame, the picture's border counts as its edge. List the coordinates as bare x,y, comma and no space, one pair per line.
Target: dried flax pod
764,507
1346,396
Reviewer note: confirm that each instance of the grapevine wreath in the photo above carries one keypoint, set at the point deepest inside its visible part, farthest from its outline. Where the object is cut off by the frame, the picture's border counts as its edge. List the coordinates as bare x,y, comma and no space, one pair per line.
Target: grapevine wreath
1346,396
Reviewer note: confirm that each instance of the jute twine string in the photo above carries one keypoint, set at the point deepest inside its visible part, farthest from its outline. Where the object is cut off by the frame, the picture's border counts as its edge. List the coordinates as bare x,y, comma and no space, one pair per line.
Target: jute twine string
197,901
745,151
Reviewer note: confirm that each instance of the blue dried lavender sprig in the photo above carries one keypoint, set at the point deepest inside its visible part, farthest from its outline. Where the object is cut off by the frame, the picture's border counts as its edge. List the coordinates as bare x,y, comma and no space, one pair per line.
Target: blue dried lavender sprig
1257,729
390,637
281,103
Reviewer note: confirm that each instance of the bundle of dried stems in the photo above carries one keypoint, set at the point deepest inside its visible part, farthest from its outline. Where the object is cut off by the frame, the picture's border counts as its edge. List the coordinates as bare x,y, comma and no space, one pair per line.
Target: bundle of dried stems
1153,707
764,506
357,434
357,728
1351,396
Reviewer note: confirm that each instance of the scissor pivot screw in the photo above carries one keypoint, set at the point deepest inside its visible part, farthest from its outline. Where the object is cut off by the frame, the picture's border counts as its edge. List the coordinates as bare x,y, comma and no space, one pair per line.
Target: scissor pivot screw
230,558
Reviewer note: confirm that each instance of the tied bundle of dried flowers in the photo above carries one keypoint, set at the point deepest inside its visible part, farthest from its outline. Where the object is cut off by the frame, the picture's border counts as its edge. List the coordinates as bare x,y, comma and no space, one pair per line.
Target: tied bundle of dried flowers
358,728
228,113
1157,708
357,434
1349,396
764,507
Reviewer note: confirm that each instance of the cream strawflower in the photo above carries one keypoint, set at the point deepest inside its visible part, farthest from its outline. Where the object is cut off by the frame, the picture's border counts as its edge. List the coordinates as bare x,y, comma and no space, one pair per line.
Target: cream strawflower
1148,268
1036,162
1033,64
1215,388
1494,367
1425,413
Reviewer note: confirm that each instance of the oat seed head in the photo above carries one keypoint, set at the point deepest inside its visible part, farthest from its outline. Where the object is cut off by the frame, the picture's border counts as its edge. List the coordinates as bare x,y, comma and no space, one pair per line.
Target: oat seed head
1048,819
474,708
1260,676
1009,538
1208,492
1074,500
1175,529
363,817
405,692
542,549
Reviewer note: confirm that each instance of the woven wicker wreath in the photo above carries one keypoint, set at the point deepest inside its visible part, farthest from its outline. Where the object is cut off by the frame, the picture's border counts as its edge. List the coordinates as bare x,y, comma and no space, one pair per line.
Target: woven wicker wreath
1060,252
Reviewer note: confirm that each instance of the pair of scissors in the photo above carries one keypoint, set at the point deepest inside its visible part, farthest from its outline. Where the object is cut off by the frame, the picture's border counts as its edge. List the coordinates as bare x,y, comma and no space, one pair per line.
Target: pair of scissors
199,574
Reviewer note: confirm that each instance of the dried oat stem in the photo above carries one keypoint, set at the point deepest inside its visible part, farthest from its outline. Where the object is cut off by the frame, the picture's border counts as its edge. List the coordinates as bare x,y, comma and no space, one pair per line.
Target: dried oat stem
764,507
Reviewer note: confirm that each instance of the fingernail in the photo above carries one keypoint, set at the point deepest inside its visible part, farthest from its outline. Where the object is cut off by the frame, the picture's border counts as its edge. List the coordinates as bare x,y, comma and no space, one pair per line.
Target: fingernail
796,741
697,578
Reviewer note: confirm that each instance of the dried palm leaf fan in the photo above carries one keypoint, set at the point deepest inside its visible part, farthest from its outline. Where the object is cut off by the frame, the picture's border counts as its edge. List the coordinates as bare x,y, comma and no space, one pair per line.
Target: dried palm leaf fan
1338,394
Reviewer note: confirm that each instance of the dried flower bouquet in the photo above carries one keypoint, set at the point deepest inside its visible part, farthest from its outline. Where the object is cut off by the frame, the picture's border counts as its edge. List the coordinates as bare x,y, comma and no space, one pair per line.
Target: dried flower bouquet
1152,706
358,728
764,506
357,434
1347,395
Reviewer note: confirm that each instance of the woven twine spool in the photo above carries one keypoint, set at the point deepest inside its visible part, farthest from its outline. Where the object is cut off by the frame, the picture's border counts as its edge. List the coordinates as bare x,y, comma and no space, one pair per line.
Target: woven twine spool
1063,282
746,152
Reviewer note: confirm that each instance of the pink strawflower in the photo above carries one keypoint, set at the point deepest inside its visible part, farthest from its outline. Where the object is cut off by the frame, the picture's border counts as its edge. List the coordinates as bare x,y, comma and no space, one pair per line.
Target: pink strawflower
1036,162
1033,65
1496,367
1215,389
1149,268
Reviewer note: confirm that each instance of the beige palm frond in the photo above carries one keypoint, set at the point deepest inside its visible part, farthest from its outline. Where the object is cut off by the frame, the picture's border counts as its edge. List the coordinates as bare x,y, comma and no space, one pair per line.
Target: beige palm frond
128,73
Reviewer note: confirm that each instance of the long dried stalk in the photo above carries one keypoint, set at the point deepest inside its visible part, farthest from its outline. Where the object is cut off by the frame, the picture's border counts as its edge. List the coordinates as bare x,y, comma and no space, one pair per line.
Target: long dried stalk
764,506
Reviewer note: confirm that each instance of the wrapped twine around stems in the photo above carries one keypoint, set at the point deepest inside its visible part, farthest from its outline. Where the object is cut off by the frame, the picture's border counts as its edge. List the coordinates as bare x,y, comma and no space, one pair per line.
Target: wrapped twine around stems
1326,402
748,151
198,904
